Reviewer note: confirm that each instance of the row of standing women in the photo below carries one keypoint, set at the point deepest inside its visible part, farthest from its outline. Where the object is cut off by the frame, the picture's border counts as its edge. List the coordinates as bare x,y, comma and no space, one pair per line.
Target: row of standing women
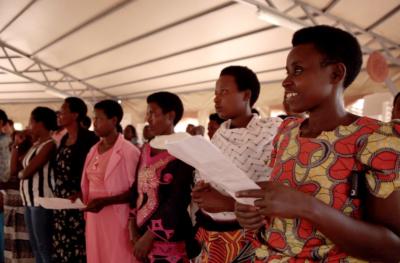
328,189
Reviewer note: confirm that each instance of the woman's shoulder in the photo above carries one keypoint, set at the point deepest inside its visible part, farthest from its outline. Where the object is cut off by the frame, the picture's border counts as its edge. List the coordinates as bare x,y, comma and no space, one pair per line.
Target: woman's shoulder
269,121
128,147
372,126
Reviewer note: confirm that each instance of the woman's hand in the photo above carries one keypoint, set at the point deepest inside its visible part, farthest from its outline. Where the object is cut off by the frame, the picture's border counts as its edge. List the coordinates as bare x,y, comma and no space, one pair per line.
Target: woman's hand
210,199
96,205
75,196
248,216
19,138
143,246
278,200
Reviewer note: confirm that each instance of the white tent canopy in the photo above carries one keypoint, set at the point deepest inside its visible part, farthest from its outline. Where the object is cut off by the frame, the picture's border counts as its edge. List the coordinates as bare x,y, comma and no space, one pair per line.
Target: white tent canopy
127,49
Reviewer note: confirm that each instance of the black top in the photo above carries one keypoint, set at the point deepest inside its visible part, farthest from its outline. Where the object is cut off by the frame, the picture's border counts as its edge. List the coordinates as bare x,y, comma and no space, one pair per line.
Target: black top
69,163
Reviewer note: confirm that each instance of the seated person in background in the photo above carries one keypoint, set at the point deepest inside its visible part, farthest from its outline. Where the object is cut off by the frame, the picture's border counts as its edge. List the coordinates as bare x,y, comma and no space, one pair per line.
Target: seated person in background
147,134
199,130
334,191
131,135
190,129
213,124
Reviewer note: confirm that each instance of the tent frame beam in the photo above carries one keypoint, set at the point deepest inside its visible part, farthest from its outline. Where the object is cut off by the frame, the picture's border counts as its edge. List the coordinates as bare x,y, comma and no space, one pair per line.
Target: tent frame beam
45,69
309,18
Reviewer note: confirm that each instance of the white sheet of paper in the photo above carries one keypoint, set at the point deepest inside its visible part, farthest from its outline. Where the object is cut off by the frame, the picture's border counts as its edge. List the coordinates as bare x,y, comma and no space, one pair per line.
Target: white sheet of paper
160,142
213,165
59,203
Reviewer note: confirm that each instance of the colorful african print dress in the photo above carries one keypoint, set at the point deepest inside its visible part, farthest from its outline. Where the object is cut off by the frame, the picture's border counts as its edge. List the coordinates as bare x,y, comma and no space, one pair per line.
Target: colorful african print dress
223,240
163,187
324,167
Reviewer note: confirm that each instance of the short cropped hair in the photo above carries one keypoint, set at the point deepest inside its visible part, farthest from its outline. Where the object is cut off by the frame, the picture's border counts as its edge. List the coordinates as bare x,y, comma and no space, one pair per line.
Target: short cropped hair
77,105
245,79
111,109
46,116
168,102
337,45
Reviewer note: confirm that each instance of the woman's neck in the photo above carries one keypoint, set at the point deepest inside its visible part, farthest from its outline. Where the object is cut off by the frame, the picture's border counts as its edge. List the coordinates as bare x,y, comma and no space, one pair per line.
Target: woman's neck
242,120
72,129
44,137
168,131
327,117
110,139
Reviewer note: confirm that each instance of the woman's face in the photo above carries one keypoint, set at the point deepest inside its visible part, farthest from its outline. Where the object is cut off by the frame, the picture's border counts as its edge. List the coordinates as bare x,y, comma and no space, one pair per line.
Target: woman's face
128,133
35,127
103,126
159,123
229,101
65,117
308,82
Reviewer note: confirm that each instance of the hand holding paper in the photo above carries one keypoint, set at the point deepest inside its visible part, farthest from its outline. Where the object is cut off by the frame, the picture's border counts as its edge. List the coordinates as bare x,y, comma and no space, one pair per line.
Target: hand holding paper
213,165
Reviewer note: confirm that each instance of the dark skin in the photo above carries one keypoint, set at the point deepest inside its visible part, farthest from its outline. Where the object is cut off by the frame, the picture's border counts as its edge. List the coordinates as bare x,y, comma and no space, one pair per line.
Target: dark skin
41,134
396,109
106,128
320,92
160,123
230,103
69,121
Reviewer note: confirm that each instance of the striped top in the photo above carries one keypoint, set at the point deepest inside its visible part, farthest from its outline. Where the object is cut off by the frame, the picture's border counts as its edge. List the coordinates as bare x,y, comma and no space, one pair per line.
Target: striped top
39,184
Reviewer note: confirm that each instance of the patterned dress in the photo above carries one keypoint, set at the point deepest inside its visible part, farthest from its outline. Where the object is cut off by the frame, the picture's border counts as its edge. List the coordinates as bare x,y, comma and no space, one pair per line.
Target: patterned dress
324,167
17,248
69,225
164,187
223,240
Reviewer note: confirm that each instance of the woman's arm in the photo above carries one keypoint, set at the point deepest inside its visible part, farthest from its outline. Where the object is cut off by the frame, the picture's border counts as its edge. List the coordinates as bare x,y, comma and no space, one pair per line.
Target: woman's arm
377,239
15,165
96,205
39,160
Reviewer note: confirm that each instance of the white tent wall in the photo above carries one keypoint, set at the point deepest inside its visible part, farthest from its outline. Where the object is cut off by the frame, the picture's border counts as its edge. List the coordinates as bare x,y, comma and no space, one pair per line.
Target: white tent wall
200,104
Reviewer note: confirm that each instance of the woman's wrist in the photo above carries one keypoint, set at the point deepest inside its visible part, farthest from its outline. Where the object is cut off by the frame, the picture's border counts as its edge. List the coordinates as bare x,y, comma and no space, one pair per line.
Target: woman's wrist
229,204
310,209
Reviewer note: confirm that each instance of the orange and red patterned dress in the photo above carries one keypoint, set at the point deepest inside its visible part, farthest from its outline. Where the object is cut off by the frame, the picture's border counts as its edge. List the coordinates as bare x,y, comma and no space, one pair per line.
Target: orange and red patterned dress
323,167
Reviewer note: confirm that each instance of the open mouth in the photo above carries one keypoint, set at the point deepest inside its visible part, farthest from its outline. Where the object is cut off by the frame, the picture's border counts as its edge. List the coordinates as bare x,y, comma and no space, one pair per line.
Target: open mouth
290,95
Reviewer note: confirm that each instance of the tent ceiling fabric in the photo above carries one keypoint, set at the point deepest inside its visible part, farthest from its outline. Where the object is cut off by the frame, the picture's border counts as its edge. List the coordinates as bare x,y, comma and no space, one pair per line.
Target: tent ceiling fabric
129,48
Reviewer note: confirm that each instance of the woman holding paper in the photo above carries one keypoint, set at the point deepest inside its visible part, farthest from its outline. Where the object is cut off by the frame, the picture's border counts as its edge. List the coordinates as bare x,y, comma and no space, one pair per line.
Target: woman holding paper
69,238
35,174
109,170
162,229
246,140
335,190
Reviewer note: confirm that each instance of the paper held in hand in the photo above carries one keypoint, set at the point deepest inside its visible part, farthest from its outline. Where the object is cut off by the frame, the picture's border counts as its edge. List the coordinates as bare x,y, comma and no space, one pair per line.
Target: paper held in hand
213,165
160,142
59,203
